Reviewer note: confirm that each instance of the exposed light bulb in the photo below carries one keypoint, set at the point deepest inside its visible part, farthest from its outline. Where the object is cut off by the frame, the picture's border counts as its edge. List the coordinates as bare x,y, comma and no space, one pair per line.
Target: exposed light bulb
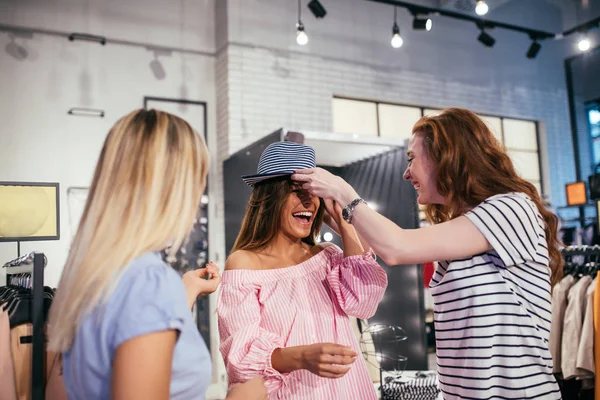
429,24
301,36
204,199
397,40
584,44
481,8
327,236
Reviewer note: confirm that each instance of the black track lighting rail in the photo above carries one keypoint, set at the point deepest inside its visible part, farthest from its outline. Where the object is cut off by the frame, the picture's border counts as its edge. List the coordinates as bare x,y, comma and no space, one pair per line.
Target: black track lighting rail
534,34
480,22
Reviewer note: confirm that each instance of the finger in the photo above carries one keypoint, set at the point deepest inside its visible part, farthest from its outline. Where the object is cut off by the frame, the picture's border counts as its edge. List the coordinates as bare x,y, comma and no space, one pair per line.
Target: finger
340,360
339,350
212,268
306,171
301,178
202,272
215,276
338,370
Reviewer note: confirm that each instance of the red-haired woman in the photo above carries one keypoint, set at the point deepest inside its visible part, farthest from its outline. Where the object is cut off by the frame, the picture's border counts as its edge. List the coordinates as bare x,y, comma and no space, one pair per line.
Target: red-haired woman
497,250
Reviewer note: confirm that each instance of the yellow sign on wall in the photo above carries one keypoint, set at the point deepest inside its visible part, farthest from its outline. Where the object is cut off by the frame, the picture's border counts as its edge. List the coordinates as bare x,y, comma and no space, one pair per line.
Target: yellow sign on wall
29,211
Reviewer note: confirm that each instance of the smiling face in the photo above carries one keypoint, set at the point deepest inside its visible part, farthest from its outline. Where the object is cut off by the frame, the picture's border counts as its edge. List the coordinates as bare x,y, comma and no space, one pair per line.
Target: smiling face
299,213
421,172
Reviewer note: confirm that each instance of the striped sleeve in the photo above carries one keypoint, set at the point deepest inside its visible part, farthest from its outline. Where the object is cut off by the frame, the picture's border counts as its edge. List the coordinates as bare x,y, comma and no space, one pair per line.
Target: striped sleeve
510,224
358,283
246,347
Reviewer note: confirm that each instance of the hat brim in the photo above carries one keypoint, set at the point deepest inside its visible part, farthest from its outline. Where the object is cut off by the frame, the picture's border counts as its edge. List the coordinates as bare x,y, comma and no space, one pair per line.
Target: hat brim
251,180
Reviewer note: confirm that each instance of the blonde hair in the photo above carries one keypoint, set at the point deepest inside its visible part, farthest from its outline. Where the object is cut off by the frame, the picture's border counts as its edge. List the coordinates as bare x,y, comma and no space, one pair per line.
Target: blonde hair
144,196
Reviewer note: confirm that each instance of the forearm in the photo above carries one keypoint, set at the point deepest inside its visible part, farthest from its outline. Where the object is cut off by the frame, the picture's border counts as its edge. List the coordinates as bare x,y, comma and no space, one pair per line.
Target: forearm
390,242
191,297
350,240
287,359
334,226
379,233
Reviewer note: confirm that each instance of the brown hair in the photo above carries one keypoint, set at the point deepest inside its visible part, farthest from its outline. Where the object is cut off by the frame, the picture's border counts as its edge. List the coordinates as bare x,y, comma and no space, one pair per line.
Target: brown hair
262,220
471,165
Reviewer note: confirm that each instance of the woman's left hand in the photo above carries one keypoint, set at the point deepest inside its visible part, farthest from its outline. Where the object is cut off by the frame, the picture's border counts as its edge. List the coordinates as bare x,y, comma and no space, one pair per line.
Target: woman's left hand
324,184
196,284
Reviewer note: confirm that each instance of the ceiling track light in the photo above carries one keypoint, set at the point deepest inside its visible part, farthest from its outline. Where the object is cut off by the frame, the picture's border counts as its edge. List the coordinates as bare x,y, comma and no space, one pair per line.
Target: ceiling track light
534,49
486,39
422,23
397,40
317,8
301,36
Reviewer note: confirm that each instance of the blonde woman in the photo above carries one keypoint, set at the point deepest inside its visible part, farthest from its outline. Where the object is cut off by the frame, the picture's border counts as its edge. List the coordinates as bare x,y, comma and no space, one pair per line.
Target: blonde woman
121,316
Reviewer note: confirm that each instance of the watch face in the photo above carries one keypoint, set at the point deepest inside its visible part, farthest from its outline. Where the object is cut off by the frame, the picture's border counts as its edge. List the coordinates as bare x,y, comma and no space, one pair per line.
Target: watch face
345,213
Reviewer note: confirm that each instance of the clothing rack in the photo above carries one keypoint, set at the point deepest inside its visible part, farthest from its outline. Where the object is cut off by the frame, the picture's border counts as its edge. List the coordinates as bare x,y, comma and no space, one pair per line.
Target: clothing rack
582,250
33,263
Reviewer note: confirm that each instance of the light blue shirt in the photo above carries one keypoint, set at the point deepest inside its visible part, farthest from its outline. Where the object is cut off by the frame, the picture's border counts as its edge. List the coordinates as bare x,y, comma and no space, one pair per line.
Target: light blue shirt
148,297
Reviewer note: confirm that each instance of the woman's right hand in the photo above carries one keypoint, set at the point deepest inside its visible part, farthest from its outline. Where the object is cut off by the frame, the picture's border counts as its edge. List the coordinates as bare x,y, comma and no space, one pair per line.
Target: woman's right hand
329,360
254,389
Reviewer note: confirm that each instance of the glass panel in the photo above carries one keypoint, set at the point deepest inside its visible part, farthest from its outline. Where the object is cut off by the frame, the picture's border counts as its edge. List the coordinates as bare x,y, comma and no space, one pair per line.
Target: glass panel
495,125
519,134
397,121
596,150
526,163
594,118
355,117
431,111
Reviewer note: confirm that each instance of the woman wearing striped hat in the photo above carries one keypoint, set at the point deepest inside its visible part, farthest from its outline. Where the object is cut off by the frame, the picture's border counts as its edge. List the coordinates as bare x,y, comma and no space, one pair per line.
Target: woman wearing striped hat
285,299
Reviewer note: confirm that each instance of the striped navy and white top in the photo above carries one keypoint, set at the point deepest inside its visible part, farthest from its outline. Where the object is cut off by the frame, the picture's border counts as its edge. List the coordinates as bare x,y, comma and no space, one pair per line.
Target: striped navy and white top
492,310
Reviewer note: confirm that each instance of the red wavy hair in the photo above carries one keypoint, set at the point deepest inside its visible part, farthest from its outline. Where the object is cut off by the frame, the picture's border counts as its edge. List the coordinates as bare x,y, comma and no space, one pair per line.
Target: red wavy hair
471,165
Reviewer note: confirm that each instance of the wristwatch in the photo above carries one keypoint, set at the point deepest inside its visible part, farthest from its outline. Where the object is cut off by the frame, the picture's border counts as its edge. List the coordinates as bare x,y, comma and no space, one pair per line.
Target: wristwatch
349,209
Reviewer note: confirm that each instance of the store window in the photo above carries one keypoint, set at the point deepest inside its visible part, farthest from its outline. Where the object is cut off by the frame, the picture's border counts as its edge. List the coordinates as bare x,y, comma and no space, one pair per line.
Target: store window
519,137
593,113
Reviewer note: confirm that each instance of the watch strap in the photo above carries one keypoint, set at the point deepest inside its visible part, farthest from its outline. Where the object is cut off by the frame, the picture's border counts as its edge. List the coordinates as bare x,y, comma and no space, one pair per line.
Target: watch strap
348,211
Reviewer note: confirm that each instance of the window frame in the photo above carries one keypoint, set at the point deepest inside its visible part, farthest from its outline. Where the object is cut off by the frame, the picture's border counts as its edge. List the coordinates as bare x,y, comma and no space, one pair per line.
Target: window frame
501,117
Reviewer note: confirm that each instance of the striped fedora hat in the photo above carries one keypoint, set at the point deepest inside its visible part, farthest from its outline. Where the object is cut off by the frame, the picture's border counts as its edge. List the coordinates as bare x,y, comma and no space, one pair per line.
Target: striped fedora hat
281,159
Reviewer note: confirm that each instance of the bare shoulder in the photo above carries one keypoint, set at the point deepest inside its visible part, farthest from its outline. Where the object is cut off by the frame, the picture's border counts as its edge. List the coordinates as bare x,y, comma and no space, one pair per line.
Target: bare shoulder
242,259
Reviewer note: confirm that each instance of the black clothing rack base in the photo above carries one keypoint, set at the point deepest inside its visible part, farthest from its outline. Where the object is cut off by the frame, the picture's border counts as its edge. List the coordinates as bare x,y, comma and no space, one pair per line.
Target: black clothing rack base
38,353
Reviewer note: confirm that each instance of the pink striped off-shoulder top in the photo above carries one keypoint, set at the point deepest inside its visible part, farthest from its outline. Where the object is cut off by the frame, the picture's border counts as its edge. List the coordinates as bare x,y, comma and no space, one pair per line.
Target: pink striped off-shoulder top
261,310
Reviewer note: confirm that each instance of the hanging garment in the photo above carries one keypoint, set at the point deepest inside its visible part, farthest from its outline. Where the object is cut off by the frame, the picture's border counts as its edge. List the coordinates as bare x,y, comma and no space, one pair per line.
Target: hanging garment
573,322
21,356
426,388
597,332
559,305
7,373
585,366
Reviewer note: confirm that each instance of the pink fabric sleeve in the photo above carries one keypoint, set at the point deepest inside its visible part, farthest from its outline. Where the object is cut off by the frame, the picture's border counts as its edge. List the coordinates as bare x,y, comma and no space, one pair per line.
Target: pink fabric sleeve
358,283
246,347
